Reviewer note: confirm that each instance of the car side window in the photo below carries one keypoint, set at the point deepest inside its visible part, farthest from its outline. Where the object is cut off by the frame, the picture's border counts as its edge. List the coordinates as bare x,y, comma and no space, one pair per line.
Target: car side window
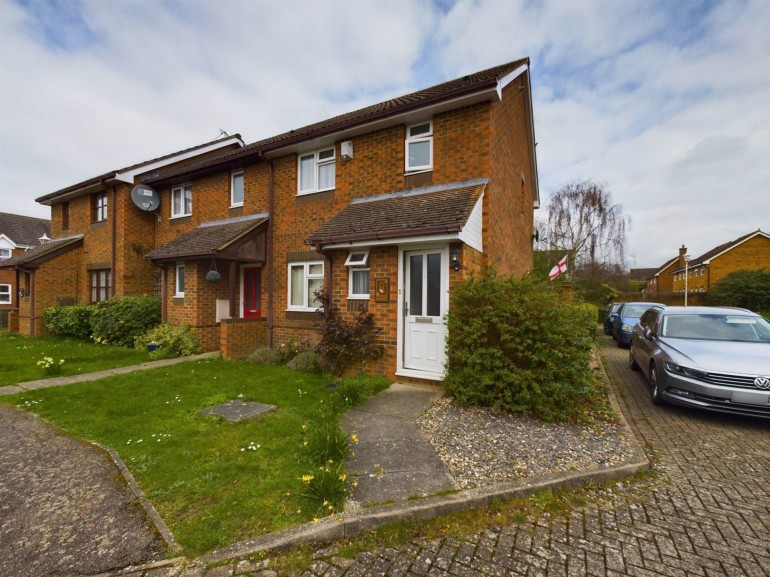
655,324
647,318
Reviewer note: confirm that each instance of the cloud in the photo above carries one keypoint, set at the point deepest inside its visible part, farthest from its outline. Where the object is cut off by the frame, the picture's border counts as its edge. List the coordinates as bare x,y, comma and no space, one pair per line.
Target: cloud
668,103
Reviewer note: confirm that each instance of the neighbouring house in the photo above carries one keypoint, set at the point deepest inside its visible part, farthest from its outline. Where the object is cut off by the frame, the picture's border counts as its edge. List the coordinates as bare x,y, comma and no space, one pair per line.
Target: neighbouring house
749,252
387,207
99,237
17,234
661,281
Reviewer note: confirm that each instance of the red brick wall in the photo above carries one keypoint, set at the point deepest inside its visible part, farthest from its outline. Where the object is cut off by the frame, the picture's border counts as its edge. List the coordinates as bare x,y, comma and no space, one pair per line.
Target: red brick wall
508,201
55,279
239,337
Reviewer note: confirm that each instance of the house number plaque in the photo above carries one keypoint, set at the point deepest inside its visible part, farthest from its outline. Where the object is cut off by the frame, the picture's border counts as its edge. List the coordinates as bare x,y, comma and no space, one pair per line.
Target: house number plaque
381,290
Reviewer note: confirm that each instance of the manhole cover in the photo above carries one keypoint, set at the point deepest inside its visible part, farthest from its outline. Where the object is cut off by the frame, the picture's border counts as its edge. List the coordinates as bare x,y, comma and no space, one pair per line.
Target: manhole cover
235,411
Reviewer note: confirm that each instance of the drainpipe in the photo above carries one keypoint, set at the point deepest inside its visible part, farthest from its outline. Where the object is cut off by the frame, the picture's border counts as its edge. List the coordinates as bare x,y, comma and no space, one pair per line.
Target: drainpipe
269,251
32,303
163,293
114,241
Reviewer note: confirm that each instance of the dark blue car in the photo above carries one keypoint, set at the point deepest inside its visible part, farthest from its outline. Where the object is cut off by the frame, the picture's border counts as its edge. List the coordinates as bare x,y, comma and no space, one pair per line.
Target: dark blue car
627,316
609,319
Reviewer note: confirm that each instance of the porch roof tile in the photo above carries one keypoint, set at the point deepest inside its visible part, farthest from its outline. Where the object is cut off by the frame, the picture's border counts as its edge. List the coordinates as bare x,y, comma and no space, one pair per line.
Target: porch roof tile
208,238
418,212
42,252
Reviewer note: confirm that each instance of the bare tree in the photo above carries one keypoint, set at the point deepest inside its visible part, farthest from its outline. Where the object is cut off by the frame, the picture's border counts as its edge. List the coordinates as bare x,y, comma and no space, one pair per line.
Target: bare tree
583,221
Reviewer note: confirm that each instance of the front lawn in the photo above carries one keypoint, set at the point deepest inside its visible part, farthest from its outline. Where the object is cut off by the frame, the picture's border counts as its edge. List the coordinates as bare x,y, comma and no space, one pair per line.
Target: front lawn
19,357
212,481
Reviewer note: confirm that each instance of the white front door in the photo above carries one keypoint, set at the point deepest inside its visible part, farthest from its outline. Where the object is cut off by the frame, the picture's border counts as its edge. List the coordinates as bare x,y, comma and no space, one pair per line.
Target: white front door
425,303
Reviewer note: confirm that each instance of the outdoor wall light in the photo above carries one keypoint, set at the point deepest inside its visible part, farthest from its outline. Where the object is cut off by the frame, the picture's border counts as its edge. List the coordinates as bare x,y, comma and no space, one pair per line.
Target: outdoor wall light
454,255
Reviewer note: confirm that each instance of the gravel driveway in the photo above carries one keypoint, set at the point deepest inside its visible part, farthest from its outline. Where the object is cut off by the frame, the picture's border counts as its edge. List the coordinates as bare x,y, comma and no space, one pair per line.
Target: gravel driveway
64,507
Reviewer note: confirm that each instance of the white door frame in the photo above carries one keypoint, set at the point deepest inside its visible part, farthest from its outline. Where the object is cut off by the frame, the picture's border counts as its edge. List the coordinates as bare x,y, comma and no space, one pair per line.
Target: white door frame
401,325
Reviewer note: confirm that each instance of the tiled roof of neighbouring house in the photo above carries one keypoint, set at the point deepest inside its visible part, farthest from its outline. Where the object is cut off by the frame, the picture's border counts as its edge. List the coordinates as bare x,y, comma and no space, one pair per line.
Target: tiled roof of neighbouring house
720,249
208,238
112,173
641,273
43,252
417,212
435,94
24,230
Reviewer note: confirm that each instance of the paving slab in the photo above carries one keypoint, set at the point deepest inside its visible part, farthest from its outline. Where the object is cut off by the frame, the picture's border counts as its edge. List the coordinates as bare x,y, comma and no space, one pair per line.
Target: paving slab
393,460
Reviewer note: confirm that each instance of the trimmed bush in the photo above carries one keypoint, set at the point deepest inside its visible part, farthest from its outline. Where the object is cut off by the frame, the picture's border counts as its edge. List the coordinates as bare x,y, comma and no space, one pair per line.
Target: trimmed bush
171,340
306,361
748,289
516,345
70,321
266,356
120,320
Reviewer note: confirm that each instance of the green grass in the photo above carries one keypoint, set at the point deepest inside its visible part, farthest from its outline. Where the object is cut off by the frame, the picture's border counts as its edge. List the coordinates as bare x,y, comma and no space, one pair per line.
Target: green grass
198,471
19,355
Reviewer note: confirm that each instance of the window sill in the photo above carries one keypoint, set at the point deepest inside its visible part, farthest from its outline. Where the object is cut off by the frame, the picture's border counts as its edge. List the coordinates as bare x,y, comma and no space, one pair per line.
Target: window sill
179,296
417,171
358,297
309,192
236,205
178,216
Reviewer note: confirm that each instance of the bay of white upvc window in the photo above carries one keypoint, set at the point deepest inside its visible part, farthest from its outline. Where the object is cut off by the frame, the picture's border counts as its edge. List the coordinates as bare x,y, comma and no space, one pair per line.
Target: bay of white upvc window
419,147
5,294
305,278
181,201
236,188
179,280
316,171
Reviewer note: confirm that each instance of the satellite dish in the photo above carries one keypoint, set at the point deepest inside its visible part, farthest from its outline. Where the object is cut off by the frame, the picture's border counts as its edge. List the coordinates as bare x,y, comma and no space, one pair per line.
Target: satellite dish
145,197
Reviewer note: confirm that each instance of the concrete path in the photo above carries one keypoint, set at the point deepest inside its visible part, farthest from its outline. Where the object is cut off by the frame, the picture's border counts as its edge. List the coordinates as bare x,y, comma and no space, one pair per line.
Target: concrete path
96,375
392,460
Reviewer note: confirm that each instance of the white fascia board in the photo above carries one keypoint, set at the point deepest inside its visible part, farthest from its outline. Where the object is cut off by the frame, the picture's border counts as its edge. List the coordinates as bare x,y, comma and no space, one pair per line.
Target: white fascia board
129,175
508,78
409,117
6,242
393,241
758,232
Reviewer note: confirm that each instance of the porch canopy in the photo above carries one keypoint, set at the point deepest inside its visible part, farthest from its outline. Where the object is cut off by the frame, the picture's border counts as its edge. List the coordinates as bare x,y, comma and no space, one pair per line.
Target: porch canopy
34,257
448,211
235,240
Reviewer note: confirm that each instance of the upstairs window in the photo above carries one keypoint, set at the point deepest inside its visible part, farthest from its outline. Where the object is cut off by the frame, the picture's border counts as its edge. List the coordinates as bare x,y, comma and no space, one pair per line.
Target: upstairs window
316,171
236,188
181,201
100,285
419,147
5,253
99,207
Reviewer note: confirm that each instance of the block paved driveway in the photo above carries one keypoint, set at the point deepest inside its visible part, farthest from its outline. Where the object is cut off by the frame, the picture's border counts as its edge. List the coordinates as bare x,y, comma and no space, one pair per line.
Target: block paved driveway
707,513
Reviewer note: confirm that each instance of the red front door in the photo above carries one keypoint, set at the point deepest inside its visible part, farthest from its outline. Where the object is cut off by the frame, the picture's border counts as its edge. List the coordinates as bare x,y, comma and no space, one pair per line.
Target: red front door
251,292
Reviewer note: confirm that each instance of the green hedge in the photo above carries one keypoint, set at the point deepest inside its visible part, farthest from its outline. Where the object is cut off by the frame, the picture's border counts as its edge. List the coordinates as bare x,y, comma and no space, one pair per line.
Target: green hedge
116,321
517,345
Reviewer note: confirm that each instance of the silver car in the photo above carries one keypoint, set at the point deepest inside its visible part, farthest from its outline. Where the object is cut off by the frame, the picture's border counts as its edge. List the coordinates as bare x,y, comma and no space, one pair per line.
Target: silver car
715,358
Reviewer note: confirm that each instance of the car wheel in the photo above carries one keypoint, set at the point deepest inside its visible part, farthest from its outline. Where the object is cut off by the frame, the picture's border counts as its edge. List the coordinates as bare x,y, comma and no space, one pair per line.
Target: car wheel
631,362
654,387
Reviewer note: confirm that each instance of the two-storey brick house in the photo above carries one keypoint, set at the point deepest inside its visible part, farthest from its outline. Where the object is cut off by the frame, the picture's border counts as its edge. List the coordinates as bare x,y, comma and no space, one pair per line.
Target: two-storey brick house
661,281
387,206
17,235
748,252
99,239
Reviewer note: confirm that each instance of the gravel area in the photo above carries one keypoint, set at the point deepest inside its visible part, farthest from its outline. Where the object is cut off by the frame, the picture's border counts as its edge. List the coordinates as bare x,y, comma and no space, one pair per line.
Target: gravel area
481,447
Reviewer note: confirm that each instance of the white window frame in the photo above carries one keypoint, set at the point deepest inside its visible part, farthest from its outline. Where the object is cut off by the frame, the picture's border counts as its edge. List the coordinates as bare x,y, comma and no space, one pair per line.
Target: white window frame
233,176
5,253
357,261
177,190
179,269
318,163
306,278
6,294
424,137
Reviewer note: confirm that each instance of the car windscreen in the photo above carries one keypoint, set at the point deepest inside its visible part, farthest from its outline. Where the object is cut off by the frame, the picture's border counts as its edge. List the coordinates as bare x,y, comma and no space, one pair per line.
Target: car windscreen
634,311
716,327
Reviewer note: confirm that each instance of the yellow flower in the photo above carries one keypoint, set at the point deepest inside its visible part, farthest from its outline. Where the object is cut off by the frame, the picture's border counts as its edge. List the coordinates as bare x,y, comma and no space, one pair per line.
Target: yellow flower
354,438
307,478
315,520
355,483
343,477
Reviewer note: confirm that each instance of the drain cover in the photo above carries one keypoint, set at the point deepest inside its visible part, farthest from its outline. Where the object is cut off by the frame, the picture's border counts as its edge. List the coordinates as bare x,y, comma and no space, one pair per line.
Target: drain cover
235,411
